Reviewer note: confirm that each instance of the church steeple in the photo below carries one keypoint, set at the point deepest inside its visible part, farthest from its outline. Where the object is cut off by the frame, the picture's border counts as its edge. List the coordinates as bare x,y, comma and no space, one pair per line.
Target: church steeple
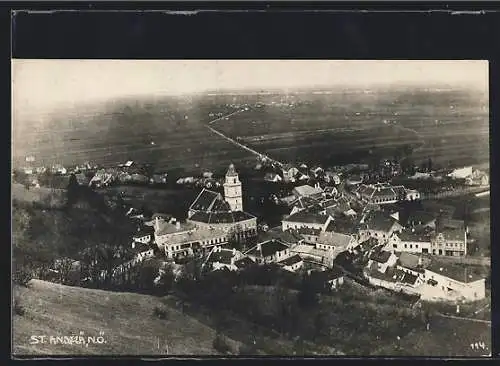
232,189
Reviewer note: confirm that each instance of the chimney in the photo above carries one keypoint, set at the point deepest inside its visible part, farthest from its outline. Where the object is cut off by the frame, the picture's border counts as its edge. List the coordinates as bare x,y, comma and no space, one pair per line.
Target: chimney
157,223
177,225
259,247
133,244
234,251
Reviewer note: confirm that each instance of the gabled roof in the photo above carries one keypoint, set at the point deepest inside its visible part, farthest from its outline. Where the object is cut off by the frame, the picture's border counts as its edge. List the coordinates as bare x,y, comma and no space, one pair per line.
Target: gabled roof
141,247
307,190
327,275
336,239
288,236
414,236
222,255
290,261
379,222
446,223
304,202
384,192
452,234
423,217
166,228
205,200
411,261
381,256
267,248
307,217
342,225
404,277
309,231
244,262
287,167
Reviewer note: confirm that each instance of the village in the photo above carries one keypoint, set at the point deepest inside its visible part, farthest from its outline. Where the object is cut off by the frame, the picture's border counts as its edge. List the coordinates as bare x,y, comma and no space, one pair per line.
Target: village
339,224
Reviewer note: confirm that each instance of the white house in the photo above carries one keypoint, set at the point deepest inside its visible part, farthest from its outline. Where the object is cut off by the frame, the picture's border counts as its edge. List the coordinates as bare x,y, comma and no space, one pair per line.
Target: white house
336,243
449,242
378,226
289,172
411,241
307,191
142,251
461,173
412,195
144,235
272,177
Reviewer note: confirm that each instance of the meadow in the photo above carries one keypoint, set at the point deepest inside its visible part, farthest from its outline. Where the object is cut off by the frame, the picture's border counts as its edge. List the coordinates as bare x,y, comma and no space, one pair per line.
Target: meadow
450,126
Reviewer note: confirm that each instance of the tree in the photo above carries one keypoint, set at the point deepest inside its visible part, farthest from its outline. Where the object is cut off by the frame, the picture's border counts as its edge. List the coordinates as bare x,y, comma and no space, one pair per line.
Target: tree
72,191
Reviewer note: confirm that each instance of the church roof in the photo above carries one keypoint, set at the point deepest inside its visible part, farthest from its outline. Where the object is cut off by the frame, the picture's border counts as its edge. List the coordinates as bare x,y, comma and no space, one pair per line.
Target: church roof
221,217
205,200
231,170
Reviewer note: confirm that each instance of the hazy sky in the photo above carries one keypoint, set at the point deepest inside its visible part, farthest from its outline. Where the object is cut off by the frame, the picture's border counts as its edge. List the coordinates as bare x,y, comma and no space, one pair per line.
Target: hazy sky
45,84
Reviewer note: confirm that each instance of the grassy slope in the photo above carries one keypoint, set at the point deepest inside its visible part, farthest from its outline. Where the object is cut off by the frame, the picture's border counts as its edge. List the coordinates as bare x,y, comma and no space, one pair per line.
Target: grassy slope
127,320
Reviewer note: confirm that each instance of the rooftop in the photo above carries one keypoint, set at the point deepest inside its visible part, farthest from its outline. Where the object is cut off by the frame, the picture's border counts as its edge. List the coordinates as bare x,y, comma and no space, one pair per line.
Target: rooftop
196,235
414,236
141,247
307,190
380,222
221,217
380,256
267,248
308,250
308,231
288,237
291,260
206,200
222,255
452,234
335,239
327,275
244,262
411,261
166,228
458,272
307,217
421,217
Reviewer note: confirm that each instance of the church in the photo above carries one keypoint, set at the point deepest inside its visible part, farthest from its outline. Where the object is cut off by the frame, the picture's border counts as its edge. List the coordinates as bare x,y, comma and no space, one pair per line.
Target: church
211,210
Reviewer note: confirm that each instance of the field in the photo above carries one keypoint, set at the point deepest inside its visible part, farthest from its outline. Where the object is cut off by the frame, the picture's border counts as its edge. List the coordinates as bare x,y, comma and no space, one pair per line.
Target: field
127,320
449,126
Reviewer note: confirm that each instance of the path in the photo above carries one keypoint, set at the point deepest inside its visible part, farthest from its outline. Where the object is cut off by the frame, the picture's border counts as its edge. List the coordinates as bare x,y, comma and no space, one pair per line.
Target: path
252,151
463,318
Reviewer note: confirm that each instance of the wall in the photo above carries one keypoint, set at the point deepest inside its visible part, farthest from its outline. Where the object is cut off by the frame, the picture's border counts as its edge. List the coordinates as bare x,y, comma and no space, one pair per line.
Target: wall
411,247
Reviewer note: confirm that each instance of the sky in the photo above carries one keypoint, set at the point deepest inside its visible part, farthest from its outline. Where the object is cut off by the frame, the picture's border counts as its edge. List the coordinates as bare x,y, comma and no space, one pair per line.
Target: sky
48,84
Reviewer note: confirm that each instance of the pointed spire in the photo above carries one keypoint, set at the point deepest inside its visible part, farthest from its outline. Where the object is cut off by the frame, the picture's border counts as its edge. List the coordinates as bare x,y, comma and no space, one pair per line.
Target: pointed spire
231,170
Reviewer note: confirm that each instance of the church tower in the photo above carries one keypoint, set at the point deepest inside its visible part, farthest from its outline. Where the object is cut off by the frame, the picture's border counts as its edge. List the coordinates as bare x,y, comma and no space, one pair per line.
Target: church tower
232,190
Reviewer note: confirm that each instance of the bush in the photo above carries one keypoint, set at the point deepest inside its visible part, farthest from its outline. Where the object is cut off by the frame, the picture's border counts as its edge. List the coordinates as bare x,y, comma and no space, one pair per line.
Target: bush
160,313
18,308
22,277
221,345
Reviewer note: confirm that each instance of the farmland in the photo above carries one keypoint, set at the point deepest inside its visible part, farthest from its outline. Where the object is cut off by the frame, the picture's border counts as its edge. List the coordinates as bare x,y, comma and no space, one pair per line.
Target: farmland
449,126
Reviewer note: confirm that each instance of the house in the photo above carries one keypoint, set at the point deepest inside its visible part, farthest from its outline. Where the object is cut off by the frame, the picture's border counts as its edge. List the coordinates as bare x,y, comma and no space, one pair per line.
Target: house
291,264
144,235
330,192
243,263
289,237
142,251
379,226
272,177
305,219
354,180
451,281
316,171
421,219
222,258
331,278
461,173
183,239
333,177
411,241
449,242
313,254
307,191
270,251
341,206
302,177
412,195
289,172
303,203
310,235
380,193
158,178
382,260
336,243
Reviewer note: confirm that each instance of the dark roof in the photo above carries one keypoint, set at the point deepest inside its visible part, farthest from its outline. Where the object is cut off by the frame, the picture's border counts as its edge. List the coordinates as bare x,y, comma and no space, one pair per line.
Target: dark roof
411,261
384,192
244,262
423,217
445,223
304,202
223,256
291,260
307,217
404,277
457,272
287,236
141,247
416,236
205,200
145,230
453,234
327,275
267,248
381,256
369,243
221,217
378,221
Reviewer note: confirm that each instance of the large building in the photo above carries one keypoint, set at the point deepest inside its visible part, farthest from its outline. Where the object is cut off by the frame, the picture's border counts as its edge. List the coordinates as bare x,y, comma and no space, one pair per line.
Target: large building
212,211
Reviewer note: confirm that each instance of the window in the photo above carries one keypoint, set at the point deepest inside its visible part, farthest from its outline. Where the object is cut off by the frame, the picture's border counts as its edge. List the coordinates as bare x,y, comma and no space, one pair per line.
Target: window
234,180
406,245
411,246
440,252
416,246
395,246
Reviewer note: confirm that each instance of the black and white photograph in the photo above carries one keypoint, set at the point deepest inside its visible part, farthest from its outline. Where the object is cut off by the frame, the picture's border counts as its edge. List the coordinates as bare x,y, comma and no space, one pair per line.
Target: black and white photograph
241,208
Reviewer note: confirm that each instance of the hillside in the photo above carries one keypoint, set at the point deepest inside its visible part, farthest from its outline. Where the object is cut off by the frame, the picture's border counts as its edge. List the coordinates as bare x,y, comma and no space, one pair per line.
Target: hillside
127,320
